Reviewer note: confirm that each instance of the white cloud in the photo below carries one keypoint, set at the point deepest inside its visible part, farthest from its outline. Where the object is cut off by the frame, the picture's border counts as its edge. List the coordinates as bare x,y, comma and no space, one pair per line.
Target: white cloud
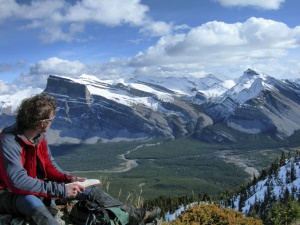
112,13
172,70
263,4
6,88
53,33
218,44
58,66
40,71
256,43
33,11
7,9
158,28
60,20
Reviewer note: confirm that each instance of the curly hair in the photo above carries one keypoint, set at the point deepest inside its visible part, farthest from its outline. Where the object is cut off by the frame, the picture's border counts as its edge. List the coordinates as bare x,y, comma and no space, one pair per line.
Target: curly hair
34,109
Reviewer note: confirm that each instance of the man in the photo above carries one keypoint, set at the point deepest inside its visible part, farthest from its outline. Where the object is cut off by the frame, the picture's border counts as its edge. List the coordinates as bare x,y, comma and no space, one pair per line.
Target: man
28,173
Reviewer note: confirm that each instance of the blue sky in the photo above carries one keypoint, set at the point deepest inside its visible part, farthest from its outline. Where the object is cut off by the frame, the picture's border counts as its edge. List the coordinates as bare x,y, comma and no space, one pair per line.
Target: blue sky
125,38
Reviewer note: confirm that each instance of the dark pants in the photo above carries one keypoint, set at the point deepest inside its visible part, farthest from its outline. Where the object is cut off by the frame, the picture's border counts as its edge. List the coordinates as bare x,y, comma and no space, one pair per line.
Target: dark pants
19,205
8,203
24,205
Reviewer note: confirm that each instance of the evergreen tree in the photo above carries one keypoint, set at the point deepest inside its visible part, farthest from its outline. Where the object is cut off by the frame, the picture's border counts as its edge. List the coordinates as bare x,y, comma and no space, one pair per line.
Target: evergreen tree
290,155
263,174
288,176
282,159
293,173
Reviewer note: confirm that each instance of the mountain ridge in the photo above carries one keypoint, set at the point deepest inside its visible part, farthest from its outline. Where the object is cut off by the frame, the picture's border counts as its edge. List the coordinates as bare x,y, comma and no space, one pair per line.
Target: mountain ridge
149,107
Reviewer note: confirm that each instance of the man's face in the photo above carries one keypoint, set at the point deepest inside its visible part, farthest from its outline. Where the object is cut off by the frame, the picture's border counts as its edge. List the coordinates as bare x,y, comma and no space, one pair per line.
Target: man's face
46,123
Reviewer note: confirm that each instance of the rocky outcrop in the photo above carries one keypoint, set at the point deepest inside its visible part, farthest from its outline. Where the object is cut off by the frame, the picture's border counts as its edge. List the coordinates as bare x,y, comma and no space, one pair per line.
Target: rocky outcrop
84,115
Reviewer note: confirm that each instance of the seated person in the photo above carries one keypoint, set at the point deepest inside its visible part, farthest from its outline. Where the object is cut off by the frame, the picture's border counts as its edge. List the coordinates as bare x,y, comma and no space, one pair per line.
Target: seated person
29,176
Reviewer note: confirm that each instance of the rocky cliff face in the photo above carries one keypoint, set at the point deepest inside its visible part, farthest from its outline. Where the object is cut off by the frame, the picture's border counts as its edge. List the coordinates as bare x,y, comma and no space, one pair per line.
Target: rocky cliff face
84,114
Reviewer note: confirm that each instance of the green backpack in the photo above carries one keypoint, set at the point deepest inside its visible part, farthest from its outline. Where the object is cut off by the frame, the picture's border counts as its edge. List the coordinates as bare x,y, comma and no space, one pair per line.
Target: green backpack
99,208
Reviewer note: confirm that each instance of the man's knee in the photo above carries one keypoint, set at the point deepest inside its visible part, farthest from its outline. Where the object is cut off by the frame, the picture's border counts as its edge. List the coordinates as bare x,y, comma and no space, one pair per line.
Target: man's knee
25,204
8,203
41,215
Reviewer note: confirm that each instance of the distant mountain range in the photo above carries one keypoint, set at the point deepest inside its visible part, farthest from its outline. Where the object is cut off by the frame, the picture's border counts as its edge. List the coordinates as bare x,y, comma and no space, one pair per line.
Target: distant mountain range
210,109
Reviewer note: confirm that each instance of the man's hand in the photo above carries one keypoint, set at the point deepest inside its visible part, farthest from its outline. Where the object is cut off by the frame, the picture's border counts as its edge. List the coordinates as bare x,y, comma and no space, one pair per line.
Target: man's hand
81,179
73,189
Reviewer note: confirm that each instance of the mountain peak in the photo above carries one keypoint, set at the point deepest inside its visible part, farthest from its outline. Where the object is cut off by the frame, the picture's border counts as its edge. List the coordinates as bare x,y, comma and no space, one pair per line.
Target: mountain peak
251,72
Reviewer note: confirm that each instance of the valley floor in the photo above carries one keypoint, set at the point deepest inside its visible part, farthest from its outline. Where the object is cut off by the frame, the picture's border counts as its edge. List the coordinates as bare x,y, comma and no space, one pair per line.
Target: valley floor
242,163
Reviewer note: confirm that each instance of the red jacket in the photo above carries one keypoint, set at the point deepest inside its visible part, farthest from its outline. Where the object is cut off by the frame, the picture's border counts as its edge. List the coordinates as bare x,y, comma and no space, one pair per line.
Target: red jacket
26,168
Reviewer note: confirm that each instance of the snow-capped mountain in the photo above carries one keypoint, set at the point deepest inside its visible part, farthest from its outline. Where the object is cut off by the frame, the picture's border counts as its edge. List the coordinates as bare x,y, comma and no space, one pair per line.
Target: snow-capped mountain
91,108
150,107
250,85
258,103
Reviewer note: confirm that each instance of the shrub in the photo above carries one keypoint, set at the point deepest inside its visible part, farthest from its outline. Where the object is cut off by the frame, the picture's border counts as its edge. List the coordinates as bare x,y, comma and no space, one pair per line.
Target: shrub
207,214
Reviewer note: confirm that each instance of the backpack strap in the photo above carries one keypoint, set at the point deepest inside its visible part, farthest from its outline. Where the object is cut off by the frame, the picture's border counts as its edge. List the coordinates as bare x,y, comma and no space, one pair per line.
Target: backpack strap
93,207
89,221
106,216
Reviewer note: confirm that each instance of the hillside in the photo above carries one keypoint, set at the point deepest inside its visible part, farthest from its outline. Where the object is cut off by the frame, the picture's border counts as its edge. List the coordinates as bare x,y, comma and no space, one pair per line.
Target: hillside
272,197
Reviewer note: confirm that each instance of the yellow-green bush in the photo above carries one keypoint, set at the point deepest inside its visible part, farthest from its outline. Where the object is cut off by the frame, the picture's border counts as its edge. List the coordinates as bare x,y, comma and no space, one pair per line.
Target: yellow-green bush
209,214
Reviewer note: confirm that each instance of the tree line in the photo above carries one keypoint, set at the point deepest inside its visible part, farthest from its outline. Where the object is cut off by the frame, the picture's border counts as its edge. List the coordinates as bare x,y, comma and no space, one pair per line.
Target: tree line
273,210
